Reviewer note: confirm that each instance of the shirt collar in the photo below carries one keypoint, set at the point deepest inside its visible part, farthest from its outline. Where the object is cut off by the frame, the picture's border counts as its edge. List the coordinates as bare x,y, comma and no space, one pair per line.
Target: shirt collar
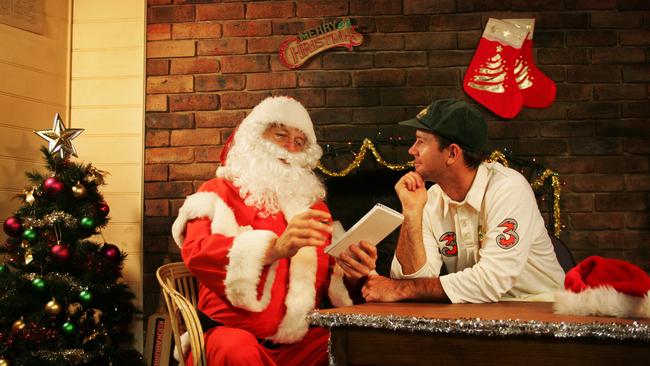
475,194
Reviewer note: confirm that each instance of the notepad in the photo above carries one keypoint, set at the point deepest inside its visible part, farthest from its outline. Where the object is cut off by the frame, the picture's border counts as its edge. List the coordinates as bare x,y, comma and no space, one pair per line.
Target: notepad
373,227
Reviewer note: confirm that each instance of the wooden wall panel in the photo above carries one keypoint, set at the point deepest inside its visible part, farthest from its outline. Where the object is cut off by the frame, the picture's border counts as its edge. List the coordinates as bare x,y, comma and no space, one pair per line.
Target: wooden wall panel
35,85
107,100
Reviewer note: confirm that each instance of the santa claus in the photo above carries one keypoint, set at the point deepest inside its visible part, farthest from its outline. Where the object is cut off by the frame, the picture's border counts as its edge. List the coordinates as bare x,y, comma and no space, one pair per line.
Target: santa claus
254,237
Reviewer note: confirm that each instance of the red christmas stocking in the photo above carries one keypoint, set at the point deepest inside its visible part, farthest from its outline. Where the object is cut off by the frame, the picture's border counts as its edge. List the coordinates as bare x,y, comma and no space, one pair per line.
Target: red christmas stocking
538,89
489,78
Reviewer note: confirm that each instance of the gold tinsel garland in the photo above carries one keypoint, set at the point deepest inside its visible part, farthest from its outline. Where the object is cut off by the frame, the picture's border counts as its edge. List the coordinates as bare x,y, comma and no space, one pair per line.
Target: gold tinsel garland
495,156
358,158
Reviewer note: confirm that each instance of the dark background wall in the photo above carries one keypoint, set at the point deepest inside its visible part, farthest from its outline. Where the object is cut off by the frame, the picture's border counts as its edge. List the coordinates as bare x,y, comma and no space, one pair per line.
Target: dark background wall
209,63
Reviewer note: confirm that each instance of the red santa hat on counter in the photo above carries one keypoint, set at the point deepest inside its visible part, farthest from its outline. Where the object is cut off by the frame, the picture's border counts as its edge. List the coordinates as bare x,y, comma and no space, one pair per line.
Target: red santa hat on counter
605,287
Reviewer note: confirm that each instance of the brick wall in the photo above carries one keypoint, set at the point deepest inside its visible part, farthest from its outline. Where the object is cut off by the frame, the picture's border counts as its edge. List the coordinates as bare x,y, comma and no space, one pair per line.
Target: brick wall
209,62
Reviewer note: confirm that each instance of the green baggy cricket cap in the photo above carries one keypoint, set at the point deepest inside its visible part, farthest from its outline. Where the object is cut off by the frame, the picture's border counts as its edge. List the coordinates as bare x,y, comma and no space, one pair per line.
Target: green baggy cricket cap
454,120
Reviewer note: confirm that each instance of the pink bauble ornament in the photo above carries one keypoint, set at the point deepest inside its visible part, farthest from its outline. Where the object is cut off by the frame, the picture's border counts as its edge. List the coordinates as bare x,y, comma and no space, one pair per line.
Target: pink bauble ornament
60,253
111,252
52,186
13,226
103,209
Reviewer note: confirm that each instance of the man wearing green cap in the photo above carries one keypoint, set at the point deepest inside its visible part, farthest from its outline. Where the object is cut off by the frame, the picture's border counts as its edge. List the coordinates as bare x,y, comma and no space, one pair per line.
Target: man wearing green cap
480,220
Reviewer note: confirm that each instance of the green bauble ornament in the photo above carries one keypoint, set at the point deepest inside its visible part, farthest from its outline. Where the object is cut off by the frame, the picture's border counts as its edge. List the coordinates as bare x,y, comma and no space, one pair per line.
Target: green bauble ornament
87,223
3,269
68,328
85,296
39,284
30,235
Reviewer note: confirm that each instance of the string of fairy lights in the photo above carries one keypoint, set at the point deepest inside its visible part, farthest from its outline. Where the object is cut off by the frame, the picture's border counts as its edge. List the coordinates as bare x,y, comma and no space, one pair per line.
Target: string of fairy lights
539,182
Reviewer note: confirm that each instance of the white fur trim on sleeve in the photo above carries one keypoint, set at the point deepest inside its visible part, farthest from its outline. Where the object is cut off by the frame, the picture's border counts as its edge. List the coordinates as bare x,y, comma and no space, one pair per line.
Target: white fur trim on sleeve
337,292
602,301
301,297
223,220
210,205
200,204
245,269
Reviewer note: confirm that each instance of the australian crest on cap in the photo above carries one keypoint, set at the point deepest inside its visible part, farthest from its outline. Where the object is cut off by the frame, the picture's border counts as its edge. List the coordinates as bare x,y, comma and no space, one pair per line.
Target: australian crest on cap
423,113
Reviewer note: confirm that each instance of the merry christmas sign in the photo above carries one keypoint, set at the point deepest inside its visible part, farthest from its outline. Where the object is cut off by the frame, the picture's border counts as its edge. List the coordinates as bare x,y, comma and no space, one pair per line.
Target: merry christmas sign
295,51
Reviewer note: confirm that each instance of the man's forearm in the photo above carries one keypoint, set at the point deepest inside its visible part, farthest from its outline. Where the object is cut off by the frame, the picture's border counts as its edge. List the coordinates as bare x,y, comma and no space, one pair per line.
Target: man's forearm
423,289
410,245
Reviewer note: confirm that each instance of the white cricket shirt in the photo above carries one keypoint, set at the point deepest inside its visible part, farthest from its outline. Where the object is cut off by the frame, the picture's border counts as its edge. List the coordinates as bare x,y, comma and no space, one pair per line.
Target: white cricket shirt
493,244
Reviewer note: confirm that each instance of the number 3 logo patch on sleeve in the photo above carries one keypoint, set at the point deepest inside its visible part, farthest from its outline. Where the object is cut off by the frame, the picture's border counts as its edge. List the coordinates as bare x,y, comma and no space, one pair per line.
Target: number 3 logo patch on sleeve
509,238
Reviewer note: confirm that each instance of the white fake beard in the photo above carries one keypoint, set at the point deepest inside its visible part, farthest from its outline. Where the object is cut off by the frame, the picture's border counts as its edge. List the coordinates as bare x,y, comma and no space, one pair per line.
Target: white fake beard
257,167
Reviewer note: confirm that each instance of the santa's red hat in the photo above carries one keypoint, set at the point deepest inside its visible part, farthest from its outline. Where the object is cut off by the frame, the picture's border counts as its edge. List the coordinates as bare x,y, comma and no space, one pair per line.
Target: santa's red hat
277,109
280,109
605,287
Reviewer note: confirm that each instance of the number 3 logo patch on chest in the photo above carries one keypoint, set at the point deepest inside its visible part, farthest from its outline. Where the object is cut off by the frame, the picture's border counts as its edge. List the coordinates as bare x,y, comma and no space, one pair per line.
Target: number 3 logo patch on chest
509,238
451,247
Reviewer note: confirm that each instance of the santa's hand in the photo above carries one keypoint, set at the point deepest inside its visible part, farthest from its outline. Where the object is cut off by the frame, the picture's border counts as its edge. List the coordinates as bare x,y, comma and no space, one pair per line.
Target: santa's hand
309,228
382,289
411,191
358,260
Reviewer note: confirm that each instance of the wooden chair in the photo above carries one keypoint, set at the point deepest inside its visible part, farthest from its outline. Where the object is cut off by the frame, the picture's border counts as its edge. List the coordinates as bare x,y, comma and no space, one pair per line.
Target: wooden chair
180,290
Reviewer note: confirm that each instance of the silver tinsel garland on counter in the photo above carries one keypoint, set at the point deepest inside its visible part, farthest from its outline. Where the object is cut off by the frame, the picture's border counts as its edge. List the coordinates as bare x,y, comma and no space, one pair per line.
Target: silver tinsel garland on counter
477,326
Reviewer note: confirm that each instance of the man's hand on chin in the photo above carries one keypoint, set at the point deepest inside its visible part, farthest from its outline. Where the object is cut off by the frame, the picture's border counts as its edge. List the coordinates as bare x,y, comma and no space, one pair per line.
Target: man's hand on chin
383,289
412,192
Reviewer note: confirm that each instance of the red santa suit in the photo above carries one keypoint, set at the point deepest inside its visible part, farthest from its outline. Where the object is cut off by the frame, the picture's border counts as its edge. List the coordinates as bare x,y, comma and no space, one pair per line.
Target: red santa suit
224,244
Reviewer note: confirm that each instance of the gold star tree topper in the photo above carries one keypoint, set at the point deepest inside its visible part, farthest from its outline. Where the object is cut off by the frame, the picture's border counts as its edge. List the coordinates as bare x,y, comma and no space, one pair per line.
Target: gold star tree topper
60,138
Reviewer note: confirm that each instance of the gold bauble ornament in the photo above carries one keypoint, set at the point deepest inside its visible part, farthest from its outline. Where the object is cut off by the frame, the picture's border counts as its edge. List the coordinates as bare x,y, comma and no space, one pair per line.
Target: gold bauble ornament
4,362
79,191
18,325
52,308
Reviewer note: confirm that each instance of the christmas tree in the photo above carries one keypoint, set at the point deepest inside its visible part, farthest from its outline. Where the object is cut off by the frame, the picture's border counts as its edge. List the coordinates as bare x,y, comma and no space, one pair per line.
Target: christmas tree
60,299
